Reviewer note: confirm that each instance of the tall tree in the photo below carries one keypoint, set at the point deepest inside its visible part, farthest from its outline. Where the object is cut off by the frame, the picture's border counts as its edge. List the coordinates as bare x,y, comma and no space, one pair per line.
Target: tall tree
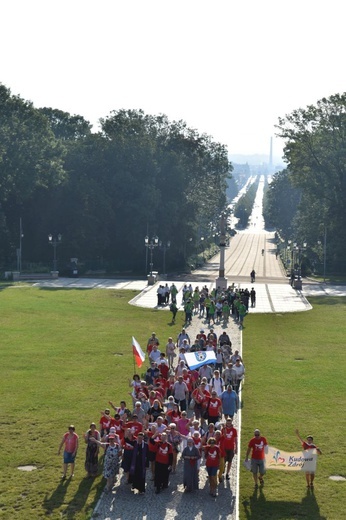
315,150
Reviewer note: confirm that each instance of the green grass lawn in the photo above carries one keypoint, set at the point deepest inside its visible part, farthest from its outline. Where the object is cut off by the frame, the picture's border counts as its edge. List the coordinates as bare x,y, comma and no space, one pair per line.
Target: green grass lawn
296,379
65,353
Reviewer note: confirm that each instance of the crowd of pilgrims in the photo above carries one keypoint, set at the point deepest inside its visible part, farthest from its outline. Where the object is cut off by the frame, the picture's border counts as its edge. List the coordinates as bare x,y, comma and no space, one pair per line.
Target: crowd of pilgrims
215,306
174,411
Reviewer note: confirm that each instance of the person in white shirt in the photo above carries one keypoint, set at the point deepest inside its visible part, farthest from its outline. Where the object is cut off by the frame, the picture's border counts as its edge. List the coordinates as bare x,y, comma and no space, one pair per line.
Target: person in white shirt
216,383
154,355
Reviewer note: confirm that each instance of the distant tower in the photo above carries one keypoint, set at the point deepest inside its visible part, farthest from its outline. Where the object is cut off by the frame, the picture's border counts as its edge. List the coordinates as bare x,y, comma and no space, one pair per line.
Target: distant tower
271,155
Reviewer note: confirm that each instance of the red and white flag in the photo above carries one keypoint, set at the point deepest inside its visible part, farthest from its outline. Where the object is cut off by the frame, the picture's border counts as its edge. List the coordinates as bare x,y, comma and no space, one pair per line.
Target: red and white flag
138,352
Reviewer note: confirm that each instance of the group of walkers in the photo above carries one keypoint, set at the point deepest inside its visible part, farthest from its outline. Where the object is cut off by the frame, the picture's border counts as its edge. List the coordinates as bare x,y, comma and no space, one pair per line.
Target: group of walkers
177,416
215,306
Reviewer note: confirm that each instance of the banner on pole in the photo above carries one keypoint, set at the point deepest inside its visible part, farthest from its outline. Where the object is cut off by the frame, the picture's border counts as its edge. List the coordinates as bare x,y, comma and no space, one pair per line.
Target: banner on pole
138,352
197,359
296,461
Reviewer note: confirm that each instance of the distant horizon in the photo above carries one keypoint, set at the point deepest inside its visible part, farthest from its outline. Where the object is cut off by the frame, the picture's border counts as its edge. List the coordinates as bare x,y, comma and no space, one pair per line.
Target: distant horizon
187,60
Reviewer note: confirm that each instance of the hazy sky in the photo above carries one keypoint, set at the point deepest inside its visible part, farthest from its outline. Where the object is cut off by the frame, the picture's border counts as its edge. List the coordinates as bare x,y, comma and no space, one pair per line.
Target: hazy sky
227,68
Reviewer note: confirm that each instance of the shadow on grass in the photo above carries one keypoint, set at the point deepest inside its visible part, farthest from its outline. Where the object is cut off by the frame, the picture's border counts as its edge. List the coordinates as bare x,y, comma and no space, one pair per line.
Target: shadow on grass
327,300
58,498
258,508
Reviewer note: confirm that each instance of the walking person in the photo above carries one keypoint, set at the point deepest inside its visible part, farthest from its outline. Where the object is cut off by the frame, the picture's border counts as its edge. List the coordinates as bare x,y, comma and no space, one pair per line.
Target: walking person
163,460
212,461
92,451
230,444
190,456
181,393
139,463
70,442
253,297
309,445
258,445
111,464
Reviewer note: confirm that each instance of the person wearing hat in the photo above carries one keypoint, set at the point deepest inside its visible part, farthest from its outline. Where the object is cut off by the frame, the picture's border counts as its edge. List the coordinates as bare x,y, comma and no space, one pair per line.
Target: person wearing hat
309,445
258,445
70,443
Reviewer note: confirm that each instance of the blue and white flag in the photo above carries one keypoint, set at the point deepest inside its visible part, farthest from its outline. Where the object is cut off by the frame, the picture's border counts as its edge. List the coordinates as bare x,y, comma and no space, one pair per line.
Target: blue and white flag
197,359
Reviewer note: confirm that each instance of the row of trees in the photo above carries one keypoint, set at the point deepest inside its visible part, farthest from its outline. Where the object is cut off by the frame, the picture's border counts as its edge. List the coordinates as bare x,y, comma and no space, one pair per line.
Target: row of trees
307,201
244,206
105,191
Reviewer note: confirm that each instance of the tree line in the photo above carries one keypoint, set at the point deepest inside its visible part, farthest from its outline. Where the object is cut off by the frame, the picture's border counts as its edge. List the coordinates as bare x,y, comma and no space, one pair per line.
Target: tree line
105,191
307,201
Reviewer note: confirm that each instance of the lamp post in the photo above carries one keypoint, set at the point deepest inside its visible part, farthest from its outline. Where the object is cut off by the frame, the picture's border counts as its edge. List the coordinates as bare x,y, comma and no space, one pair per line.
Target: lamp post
324,252
55,242
297,259
221,281
19,250
164,246
150,244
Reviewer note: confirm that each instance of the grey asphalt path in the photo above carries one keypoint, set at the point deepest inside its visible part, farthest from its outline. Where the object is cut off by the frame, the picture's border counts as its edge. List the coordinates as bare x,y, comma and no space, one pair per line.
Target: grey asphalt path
173,503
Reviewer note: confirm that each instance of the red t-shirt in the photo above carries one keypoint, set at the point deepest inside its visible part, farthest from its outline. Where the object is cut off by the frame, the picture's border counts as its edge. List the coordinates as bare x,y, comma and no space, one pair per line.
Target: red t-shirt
107,422
201,399
230,435
221,445
212,456
118,425
258,444
163,449
135,427
307,446
164,369
214,406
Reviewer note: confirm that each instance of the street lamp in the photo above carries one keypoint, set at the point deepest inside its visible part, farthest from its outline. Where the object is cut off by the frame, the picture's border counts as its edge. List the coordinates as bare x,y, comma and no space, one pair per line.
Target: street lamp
324,253
55,242
299,250
19,250
164,246
151,244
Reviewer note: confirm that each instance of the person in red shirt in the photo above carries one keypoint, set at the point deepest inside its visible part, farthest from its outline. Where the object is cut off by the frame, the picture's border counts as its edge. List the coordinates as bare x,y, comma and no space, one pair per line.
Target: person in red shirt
231,437
163,460
214,408
70,442
220,442
134,426
201,397
212,461
151,432
258,446
118,426
309,445
106,422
